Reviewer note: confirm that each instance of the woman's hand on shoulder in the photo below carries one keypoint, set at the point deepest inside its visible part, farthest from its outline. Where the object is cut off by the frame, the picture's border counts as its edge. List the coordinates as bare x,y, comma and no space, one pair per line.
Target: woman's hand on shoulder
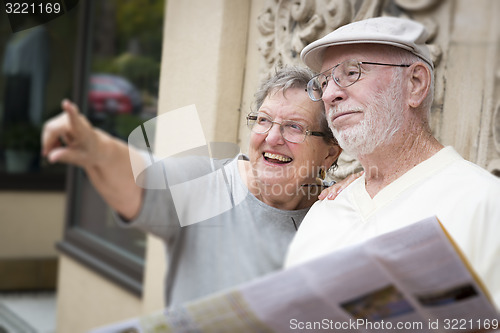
333,191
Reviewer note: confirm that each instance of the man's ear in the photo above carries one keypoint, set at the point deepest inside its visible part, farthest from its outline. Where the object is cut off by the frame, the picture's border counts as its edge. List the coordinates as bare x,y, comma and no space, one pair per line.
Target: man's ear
333,155
420,83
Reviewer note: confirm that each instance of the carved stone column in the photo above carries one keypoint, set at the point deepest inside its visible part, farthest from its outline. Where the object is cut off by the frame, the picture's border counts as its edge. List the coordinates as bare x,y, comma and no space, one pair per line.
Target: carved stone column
489,155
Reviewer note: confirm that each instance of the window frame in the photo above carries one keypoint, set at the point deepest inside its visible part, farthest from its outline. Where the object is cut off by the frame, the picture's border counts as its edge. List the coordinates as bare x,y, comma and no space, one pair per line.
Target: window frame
102,259
53,180
32,182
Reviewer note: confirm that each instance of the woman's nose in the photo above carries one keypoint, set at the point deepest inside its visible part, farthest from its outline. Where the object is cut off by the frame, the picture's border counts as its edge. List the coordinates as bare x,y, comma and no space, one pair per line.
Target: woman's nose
274,136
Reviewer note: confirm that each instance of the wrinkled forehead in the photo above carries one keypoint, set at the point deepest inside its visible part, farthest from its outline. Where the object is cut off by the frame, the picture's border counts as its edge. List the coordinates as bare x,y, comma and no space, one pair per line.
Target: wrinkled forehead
334,55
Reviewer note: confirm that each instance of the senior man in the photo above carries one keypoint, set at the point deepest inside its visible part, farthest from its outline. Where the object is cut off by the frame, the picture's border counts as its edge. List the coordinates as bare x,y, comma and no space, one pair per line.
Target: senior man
376,83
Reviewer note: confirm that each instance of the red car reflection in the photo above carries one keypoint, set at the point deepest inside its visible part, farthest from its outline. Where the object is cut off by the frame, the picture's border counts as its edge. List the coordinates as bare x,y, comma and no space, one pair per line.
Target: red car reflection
113,94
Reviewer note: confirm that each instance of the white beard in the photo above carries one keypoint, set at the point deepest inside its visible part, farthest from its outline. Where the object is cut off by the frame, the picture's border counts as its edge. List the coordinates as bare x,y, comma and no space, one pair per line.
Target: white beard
382,119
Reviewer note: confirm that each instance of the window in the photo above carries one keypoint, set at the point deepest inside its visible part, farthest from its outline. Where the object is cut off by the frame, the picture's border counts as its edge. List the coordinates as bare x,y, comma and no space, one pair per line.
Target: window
36,74
121,48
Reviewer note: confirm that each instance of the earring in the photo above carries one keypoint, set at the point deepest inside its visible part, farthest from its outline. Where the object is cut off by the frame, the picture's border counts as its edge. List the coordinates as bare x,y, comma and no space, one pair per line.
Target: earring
321,179
321,173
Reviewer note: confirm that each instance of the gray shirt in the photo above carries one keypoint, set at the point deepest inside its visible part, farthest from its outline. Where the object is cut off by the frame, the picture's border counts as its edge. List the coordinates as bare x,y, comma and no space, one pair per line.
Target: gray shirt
245,241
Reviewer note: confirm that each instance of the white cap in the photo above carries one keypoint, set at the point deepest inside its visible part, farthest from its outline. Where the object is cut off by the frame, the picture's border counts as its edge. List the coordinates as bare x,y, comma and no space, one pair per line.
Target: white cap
399,32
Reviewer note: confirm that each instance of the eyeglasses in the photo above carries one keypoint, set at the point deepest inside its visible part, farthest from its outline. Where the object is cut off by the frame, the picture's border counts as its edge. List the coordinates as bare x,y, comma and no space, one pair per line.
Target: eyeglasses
291,131
344,75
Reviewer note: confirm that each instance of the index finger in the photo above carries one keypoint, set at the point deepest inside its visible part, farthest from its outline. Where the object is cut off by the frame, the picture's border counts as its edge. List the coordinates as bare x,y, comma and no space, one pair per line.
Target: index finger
66,124
73,113
53,129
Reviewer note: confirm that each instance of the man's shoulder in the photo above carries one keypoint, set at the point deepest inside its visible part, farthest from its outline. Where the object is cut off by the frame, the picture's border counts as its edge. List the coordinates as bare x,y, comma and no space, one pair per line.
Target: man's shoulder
462,181
471,173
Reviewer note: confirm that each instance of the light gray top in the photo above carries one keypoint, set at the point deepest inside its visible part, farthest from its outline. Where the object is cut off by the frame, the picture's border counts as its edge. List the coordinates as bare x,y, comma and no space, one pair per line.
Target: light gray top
247,240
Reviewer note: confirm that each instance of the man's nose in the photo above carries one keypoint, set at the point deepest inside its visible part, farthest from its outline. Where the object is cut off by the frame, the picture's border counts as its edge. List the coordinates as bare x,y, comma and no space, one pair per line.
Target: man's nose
333,93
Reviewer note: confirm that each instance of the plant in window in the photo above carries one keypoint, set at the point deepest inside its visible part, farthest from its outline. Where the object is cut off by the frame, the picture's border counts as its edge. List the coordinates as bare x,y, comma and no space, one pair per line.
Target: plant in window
21,145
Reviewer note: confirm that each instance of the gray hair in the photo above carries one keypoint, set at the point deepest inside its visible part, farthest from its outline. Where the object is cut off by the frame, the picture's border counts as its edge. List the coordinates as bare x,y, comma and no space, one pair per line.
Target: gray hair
293,77
406,57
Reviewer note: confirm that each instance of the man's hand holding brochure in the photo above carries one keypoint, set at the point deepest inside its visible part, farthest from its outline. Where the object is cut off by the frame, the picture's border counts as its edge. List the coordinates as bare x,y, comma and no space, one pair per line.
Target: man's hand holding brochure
413,279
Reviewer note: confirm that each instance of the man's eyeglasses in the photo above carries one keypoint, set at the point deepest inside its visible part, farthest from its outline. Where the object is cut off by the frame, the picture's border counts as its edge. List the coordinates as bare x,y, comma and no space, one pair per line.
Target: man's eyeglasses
344,75
291,131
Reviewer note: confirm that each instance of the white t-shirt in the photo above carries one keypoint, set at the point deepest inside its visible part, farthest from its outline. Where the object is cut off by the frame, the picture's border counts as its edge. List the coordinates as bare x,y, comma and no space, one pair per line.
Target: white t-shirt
465,198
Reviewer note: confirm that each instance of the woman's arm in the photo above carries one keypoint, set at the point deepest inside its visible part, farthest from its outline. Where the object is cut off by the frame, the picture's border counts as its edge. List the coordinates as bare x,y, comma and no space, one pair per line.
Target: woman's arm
70,138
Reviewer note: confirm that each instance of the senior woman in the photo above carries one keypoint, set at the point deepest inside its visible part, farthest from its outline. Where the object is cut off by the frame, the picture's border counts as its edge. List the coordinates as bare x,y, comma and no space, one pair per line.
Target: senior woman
290,144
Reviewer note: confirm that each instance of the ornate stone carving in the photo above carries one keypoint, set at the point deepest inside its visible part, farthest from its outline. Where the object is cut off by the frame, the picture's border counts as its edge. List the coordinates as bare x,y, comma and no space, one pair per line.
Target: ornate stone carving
287,26
416,5
494,163
496,127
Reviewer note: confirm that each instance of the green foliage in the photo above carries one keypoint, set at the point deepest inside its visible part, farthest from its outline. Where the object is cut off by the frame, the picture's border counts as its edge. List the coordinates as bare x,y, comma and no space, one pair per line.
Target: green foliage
142,71
119,125
21,136
138,40
142,20
124,124
138,69
104,65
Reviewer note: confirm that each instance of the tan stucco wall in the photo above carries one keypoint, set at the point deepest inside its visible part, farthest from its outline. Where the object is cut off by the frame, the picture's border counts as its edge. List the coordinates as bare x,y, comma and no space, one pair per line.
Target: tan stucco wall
85,300
30,224
252,74
203,63
471,61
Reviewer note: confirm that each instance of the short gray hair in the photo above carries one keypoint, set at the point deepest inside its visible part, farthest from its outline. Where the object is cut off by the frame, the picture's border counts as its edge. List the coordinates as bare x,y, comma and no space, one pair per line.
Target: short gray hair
293,77
406,57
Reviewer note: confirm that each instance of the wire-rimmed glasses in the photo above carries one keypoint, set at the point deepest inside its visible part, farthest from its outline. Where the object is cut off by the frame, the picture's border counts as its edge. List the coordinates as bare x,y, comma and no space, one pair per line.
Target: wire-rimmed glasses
344,74
291,131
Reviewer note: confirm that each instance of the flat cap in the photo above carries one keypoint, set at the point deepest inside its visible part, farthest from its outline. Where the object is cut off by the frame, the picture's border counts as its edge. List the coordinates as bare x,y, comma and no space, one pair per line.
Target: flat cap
399,32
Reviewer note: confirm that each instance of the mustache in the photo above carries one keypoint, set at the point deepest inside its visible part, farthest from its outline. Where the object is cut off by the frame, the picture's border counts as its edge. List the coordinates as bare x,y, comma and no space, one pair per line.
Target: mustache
333,110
